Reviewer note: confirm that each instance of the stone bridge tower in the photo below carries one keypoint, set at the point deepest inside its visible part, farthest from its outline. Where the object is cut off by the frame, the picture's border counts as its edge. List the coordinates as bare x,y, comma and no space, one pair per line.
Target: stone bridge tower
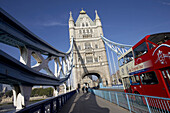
89,50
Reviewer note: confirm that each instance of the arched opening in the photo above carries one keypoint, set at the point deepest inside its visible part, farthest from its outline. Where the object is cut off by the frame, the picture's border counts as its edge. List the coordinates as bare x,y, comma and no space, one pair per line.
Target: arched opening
91,80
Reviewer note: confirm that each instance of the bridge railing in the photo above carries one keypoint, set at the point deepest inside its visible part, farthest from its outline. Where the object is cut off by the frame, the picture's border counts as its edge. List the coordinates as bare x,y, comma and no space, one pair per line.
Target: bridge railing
135,102
119,86
51,105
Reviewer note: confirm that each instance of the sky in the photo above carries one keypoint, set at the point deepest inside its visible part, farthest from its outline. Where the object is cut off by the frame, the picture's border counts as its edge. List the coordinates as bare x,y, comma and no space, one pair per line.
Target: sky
123,21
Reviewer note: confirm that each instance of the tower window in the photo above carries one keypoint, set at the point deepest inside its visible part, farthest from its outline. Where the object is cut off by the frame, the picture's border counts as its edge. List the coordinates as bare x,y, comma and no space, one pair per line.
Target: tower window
87,31
80,31
89,59
87,36
100,58
83,30
96,59
86,24
87,46
83,24
96,46
79,59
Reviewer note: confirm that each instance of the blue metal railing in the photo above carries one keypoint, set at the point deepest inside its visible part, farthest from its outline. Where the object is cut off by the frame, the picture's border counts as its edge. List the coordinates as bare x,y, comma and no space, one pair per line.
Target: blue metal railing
135,102
120,86
51,105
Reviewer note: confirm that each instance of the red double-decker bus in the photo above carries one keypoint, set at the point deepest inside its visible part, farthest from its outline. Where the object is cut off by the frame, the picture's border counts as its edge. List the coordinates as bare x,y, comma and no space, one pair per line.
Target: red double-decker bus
145,68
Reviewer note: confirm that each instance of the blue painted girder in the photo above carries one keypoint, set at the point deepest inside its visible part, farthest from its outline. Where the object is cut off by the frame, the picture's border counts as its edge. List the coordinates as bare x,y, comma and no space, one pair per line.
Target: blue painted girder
13,72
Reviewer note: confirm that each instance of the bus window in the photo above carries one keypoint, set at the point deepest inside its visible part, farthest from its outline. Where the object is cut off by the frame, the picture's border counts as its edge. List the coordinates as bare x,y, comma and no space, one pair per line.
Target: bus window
134,80
121,62
151,45
128,57
149,78
166,75
160,38
140,50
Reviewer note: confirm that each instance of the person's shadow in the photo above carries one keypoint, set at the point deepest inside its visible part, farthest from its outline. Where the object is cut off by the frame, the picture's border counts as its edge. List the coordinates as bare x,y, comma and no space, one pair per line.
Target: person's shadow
84,103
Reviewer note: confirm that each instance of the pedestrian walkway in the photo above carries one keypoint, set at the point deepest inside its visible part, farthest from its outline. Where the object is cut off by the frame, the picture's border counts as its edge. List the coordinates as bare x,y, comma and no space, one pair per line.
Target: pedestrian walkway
89,103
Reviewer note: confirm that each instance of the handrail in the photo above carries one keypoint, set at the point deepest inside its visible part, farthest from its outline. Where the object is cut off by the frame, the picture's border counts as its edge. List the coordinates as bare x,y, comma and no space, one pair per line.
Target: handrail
135,102
52,105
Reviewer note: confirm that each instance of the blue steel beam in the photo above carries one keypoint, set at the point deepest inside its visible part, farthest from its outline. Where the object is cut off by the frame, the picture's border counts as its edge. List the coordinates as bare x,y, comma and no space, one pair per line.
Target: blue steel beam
20,74
13,72
15,34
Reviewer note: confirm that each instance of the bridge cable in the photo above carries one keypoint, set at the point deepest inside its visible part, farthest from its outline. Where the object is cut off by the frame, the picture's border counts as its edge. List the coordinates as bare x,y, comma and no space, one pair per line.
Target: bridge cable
109,60
117,48
114,66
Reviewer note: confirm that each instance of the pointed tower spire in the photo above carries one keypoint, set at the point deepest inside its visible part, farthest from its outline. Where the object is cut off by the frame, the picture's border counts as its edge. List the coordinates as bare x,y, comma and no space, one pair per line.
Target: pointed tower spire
71,25
97,20
97,16
71,18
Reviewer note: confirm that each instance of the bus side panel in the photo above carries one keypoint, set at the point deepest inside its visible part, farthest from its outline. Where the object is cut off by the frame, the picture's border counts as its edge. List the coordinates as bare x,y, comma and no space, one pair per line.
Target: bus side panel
156,89
161,55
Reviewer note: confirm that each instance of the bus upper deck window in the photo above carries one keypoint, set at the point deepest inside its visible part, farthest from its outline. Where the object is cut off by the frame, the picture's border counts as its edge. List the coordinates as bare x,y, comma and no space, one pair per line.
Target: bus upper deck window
128,57
140,50
159,38
121,61
151,45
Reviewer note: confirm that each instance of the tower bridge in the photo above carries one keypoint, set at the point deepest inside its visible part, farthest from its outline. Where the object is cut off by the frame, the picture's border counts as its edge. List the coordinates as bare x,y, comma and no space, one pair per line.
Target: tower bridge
85,58
89,50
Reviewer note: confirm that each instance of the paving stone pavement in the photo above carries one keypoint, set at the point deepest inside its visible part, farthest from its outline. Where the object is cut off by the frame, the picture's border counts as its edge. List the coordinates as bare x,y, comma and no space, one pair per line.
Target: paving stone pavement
89,103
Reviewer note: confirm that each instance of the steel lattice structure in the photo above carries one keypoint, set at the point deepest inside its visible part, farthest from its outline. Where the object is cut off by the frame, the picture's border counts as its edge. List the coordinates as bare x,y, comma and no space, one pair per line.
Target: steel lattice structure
22,75
118,48
15,34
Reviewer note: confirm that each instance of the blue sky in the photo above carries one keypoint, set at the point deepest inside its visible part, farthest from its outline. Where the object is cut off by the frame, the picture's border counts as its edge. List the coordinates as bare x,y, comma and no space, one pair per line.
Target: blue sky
124,21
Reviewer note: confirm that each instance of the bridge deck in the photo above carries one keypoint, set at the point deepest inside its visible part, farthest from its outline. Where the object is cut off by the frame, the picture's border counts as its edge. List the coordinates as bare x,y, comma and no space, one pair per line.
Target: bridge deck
89,103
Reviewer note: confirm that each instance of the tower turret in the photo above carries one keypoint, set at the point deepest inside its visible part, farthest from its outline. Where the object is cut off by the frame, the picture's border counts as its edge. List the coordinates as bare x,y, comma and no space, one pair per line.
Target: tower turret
98,24
71,25
71,21
98,21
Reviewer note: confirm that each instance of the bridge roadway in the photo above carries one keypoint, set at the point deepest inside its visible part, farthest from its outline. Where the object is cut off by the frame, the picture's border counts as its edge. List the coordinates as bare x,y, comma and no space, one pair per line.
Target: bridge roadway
89,103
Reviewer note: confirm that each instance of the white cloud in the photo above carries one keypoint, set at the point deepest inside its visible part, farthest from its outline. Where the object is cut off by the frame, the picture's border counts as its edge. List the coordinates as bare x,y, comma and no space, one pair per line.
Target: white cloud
54,24
166,3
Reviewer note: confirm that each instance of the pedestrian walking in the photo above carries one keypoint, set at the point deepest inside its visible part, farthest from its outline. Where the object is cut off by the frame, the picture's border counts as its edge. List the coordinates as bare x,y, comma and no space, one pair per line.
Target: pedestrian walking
83,89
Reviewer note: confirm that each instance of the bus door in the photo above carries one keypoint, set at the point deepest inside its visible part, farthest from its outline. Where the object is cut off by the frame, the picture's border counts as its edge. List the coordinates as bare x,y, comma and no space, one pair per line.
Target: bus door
166,76
135,84
126,84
